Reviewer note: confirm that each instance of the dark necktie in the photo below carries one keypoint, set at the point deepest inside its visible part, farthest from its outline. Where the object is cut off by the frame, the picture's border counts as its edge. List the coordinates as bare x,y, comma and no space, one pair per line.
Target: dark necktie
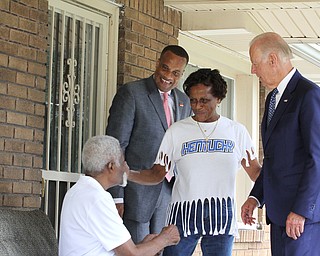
272,105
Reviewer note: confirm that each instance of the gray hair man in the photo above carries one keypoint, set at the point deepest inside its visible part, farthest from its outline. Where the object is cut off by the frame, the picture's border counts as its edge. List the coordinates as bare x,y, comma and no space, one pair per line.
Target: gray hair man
90,223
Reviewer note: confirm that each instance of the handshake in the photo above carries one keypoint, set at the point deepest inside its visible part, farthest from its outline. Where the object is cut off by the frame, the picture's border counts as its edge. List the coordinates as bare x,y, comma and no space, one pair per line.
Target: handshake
167,237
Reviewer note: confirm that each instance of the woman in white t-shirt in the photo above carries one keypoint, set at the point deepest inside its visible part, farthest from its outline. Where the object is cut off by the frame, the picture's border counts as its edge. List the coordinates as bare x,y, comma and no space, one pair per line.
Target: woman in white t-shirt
204,153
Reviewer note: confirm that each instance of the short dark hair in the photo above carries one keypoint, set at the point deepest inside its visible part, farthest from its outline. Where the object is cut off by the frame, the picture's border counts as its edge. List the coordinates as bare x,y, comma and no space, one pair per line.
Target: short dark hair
177,50
207,77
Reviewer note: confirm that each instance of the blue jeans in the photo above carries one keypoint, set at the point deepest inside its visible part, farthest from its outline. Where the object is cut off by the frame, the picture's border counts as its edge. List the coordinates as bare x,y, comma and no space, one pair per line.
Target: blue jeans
218,245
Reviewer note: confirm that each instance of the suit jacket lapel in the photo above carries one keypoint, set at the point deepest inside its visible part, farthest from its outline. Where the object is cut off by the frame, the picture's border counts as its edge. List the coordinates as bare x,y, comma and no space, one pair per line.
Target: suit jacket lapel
179,105
281,107
156,101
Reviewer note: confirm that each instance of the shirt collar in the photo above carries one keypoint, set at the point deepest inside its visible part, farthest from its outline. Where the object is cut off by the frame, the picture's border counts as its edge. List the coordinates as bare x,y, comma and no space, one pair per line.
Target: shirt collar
161,92
283,84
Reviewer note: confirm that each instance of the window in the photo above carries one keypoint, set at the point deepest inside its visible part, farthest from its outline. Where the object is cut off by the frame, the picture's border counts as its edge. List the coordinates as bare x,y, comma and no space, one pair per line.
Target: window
82,42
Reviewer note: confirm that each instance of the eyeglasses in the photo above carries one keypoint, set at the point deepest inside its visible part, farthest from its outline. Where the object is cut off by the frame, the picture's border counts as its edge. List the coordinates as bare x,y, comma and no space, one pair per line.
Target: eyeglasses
201,101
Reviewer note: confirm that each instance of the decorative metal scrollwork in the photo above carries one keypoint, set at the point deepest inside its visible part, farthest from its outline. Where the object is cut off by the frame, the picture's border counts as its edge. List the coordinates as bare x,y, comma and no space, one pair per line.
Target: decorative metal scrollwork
71,93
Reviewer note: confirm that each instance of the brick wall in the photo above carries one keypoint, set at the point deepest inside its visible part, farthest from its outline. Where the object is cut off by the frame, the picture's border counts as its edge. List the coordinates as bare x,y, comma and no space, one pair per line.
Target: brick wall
146,28
23,44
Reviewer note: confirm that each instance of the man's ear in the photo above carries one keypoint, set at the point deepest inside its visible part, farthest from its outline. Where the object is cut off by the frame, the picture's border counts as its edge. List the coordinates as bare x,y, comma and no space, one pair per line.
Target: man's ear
110,165
273,58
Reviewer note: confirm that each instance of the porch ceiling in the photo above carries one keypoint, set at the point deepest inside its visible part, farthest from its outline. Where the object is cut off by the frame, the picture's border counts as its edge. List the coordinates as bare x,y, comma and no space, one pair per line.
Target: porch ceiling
230,25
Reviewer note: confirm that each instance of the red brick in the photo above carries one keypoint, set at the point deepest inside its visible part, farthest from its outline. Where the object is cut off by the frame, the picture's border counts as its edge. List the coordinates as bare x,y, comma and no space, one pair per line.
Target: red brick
43,30
36,68
4,32
43,5
8,48
38,42
137,71
31,202
5,187
143,62
19,9
27,53
17,91
22,187
144,19
33,175
7,102
144,40
42,56
36,95
28,25
38,16
12,200
17,63
19,37
8,75
3,116
1,145
40,110
4,5
131,36
23,133
156,45
131,13
4,60
3,88
38,162
35,121
168,29
13,173
162,37
6,130
157,24
24,106
38,135
31,3
150,32
22,160
33,148
41,83
8,19
150,54
138,49
16,118
137,27
14,146
36,188
26,79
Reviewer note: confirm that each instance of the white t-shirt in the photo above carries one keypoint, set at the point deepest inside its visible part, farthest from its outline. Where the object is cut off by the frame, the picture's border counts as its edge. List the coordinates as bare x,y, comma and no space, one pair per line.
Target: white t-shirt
204,169
90,223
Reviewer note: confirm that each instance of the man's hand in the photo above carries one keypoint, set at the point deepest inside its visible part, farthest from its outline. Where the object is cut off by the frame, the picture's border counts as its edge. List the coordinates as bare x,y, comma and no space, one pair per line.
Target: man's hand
120,208
171,235
247,211
294,225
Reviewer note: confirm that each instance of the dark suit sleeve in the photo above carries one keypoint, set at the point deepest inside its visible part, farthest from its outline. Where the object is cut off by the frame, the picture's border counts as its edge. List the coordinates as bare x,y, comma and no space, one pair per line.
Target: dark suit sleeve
120,124
308,196
257,190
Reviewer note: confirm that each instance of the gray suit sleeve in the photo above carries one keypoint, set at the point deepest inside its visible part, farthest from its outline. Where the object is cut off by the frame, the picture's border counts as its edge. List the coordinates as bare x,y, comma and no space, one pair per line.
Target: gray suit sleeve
120,124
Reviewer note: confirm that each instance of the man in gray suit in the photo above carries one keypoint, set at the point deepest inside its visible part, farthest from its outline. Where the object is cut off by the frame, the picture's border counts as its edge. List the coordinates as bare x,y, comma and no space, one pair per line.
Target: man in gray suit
138,120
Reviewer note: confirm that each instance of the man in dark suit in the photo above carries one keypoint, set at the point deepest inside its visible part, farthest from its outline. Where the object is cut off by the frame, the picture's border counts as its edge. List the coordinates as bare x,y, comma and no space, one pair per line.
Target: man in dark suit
289,183
138,120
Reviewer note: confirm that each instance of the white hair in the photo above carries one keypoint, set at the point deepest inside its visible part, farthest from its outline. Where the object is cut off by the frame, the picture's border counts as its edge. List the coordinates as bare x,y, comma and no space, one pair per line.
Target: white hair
99,151
272,42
